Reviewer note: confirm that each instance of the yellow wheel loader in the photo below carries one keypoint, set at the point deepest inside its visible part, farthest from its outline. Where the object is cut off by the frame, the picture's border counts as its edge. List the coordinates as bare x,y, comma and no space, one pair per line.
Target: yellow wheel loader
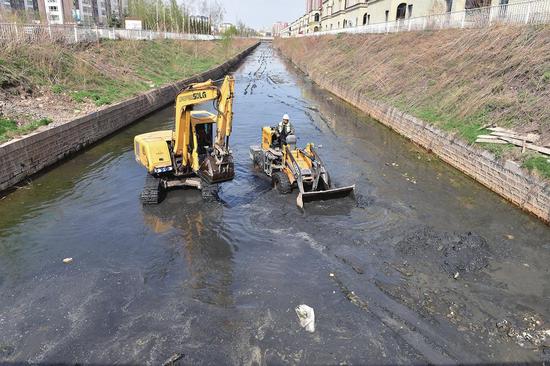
290,167
193,154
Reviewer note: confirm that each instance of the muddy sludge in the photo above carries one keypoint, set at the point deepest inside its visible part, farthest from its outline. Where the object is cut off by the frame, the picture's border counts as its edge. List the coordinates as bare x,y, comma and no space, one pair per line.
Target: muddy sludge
453,252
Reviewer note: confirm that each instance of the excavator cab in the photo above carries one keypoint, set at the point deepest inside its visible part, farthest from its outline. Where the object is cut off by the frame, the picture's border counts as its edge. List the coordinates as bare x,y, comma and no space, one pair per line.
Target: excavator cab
203,132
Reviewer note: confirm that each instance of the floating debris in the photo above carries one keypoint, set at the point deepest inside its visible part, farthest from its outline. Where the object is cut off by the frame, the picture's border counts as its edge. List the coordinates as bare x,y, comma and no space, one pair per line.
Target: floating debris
173,359
350,295
527,335
306,315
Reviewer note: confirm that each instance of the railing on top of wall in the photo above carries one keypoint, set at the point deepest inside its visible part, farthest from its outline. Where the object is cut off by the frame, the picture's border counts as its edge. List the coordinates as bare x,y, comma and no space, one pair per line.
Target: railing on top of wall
529,12
75,34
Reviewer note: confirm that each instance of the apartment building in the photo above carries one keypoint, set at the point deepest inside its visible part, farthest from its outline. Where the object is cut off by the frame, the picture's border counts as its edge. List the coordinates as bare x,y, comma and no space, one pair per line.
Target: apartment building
278,28
325,15
82,12
116,8
28,5
56,11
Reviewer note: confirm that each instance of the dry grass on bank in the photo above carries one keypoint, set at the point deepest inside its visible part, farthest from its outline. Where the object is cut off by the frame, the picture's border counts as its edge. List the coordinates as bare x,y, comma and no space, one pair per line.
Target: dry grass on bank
460,80
60,82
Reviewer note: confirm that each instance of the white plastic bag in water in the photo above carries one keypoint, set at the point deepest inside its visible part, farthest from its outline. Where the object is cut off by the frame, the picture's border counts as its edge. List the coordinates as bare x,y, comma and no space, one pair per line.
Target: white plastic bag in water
306,315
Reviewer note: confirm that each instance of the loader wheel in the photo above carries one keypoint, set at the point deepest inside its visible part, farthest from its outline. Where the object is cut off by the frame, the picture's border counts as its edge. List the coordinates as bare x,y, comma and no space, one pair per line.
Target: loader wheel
153,192
209,191
281,182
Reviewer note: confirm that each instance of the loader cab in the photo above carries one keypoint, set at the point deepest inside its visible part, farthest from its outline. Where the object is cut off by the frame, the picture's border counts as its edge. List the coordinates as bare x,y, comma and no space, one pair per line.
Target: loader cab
202,133
269,141
291,142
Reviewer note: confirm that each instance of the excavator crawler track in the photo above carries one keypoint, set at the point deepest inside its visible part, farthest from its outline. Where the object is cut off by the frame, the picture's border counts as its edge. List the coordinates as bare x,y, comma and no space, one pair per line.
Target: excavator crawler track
152,191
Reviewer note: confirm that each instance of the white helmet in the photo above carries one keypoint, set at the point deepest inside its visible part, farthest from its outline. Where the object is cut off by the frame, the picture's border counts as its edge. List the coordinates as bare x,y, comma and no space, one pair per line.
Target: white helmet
286,117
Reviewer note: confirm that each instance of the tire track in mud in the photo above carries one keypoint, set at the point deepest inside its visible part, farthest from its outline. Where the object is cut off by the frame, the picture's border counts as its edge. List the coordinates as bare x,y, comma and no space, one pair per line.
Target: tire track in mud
404,322
258,74
436,348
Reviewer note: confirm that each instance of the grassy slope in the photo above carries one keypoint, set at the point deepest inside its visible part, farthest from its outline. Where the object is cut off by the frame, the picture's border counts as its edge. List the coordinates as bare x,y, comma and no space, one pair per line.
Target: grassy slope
101,73
459,80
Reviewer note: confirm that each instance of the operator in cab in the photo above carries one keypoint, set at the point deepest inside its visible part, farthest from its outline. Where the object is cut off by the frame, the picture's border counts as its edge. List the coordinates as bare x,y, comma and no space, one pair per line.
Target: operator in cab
284,129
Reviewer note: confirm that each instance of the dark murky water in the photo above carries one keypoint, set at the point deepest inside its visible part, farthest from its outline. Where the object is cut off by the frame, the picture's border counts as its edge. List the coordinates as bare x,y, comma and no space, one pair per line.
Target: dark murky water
218,282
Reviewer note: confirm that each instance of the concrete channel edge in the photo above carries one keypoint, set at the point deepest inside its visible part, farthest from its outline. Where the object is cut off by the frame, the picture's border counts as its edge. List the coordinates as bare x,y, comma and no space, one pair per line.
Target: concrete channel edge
22,157
507,179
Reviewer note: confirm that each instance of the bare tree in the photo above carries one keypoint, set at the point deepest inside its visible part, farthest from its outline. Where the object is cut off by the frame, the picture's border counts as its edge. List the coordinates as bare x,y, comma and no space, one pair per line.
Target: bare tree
217,12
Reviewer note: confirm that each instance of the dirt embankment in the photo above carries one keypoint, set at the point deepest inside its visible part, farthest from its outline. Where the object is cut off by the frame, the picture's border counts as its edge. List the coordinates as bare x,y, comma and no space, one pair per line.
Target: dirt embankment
459,80
59,82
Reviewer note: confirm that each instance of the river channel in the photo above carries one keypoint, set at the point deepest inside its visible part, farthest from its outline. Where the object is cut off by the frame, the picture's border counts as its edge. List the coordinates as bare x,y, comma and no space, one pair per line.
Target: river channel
423,266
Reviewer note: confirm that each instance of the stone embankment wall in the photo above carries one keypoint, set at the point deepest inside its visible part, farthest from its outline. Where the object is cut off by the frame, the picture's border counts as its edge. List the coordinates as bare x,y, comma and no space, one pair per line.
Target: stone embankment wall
20,158
505,178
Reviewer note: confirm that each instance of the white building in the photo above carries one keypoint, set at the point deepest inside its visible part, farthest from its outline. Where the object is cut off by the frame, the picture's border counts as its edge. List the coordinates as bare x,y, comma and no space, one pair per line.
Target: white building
133,23
54,12
278,28
341,14
225,26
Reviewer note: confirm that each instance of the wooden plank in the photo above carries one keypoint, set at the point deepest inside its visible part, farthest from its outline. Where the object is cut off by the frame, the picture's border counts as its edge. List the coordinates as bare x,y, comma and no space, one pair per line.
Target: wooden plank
540,149
488,137
485,126
514,134
530,137
500,129
491,141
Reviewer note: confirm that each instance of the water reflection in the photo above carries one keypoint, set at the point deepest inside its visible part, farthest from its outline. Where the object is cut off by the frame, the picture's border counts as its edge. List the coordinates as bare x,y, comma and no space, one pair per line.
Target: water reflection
198,236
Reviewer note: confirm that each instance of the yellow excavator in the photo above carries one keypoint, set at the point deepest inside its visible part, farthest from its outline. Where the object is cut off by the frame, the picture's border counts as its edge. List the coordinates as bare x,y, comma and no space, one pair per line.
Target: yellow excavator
191,155
290,167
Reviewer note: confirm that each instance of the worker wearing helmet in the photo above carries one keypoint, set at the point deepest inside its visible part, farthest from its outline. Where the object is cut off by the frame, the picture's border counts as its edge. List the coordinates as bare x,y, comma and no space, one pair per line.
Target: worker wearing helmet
284,129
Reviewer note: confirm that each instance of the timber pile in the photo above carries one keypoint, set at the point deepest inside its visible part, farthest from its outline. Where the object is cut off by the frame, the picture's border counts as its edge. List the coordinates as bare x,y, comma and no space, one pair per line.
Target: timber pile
501,135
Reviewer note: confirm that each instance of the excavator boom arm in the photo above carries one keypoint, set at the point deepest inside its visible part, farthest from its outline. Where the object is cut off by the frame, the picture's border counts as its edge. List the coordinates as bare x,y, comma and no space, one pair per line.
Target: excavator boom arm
197,94
225,112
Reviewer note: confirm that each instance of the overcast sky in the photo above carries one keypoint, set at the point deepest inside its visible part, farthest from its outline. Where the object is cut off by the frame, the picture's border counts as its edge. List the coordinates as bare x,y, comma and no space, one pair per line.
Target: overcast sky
262,13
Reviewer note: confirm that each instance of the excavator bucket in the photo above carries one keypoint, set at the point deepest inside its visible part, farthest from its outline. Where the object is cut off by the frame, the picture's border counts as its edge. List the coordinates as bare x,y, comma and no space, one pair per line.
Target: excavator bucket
215,170
329,194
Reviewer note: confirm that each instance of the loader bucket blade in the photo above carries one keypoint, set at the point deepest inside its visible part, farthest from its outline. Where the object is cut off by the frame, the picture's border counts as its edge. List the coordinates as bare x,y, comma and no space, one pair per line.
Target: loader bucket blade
324,195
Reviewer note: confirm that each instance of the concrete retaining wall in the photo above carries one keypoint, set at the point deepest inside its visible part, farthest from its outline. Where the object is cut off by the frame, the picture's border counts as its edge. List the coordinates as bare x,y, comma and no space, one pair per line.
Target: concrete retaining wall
506,179
20,158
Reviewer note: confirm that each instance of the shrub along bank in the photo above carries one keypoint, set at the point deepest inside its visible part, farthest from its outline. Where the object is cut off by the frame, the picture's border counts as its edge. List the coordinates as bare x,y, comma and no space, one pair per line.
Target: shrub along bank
459,80
40,83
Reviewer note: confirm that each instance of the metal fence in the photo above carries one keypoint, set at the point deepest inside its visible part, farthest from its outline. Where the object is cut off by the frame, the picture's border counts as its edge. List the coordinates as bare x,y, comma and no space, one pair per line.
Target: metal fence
75,34
529,12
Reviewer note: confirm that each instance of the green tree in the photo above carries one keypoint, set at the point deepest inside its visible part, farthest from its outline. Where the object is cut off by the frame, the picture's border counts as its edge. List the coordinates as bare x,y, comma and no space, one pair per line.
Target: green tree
227,38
